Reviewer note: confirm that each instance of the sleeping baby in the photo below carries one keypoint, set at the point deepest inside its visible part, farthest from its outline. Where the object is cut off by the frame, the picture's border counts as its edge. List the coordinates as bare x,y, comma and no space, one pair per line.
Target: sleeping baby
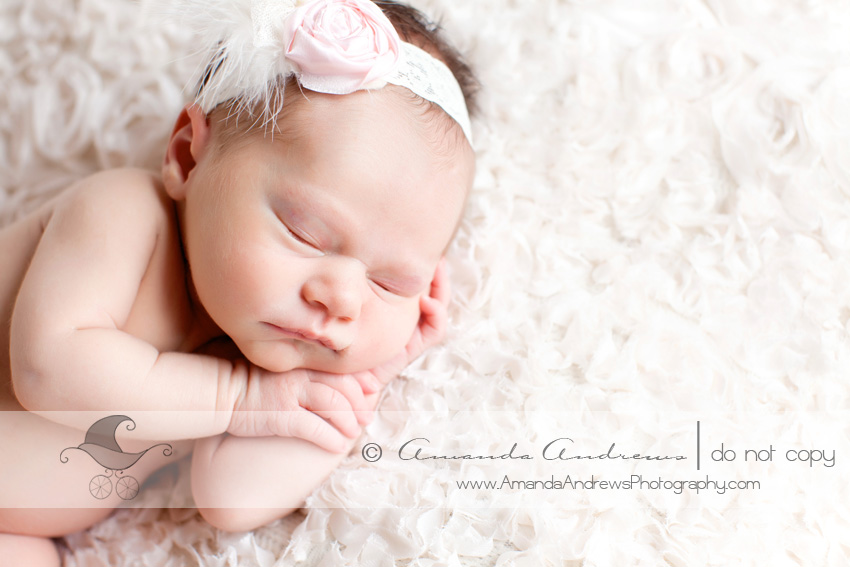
248,303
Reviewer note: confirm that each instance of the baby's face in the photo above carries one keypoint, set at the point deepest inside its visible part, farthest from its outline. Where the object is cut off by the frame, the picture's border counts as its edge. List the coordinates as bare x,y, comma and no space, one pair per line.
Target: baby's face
313,250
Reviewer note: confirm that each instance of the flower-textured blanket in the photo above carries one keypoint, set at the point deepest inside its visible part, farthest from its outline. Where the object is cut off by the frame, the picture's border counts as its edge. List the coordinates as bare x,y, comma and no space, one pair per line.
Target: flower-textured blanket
651,285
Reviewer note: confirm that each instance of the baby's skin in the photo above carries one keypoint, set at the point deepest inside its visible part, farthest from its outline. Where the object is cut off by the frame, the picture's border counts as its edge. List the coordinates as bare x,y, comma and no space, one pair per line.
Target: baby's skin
259,294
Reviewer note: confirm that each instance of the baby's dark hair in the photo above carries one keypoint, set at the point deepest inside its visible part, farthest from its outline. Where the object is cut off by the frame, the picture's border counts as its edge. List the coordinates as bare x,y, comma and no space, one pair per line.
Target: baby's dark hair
412,27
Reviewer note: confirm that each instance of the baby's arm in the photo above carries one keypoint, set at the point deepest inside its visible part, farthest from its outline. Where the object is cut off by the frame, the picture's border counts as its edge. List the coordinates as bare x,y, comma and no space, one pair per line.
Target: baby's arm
240,484
69,352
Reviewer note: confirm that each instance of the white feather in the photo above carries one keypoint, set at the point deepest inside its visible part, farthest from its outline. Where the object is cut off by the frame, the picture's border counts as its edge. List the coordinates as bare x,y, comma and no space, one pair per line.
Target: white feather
242,48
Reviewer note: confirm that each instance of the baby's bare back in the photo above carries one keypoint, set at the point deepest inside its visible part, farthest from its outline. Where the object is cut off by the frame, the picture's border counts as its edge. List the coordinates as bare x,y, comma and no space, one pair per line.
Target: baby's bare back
17,245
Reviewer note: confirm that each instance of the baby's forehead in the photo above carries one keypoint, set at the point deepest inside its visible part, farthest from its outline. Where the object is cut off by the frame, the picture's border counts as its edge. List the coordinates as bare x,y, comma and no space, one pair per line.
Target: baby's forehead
373,142
303,112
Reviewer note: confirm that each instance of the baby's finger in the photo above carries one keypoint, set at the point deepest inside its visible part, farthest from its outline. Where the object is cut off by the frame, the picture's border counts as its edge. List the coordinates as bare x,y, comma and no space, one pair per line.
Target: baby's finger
368,383
431,307
330,404
434,320
310,427
351,388
441,288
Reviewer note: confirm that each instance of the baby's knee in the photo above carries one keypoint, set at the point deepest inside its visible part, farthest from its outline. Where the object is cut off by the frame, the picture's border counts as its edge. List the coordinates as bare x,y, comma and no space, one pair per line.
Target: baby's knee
242,519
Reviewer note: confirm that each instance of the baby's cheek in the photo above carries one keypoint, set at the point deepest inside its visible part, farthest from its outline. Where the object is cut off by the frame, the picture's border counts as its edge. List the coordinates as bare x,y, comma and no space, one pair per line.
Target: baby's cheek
391,334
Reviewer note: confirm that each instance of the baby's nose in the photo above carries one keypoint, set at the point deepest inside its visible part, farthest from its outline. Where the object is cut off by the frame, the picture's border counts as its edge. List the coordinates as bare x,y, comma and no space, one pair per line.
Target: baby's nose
337,288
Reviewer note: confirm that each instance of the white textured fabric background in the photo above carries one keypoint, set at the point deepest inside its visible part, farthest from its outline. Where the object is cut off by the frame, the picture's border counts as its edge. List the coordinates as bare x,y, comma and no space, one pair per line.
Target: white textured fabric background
659,233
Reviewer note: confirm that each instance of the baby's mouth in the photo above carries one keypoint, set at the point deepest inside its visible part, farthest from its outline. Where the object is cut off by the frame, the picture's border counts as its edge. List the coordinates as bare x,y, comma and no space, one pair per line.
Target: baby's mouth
307,336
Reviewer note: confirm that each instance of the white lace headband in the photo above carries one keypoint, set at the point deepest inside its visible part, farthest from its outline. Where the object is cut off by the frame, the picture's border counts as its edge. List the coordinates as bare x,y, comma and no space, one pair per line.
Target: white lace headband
330,46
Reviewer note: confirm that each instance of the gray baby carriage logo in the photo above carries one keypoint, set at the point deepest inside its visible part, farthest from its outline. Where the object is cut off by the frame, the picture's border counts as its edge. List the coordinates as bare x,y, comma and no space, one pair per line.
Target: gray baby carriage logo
101,446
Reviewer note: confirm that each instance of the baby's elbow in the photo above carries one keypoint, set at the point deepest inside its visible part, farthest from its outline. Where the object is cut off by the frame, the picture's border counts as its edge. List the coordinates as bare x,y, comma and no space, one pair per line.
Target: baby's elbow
233,506
229,493
226,519
28,386
39,367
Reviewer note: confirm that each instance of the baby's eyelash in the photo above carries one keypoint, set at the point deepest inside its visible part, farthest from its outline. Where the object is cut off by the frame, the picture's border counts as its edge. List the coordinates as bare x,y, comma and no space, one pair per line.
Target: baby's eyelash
385,287
298,237
401,292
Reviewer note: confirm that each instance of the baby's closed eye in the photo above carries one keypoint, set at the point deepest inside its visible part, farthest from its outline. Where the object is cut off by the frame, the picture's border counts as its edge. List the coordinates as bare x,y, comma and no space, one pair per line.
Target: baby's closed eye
385,287
405,286
301,237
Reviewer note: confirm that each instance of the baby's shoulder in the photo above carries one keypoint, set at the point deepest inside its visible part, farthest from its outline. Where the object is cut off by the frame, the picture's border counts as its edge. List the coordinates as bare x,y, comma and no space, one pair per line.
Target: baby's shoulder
117,196
128,188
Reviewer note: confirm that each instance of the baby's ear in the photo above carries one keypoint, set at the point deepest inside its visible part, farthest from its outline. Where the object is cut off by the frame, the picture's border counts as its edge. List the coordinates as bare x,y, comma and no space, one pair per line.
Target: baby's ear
187,145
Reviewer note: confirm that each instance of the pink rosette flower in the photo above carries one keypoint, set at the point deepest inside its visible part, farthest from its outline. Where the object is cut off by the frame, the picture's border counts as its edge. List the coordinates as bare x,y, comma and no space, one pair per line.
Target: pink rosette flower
341,46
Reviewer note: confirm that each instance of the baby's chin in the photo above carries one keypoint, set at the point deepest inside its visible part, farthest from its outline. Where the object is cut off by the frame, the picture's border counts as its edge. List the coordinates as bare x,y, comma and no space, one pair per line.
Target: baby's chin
283,358
341,366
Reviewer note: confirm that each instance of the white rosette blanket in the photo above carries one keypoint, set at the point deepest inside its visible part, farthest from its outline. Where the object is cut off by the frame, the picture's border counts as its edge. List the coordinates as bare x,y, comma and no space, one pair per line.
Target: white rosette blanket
659,234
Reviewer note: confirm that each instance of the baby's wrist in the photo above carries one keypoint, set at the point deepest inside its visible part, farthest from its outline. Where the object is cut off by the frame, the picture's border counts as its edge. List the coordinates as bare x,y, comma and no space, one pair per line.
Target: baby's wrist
233,386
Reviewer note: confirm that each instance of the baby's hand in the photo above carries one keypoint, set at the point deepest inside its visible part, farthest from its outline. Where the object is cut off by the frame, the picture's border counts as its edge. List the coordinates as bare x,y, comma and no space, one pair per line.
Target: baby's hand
315,406
429,332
